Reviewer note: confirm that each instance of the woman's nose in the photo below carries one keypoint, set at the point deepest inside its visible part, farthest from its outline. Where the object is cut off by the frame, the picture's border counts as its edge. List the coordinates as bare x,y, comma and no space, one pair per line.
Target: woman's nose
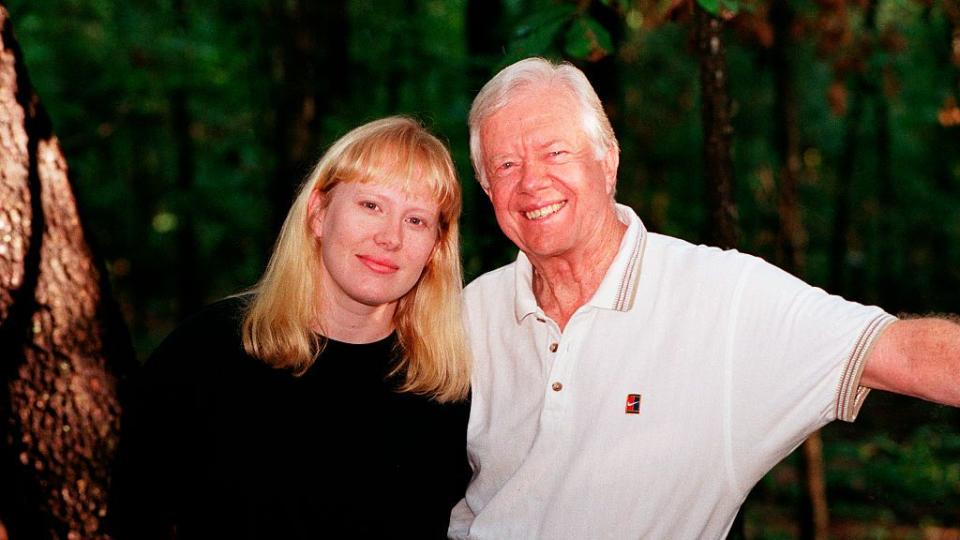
390,235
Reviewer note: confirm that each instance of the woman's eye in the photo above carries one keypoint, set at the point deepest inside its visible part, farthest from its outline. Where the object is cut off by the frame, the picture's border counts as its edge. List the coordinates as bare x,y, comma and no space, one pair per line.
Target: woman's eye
415,221
369,205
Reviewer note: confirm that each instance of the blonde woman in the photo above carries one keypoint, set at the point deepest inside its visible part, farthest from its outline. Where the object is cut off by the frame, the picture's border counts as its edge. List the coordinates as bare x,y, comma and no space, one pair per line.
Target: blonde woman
328,402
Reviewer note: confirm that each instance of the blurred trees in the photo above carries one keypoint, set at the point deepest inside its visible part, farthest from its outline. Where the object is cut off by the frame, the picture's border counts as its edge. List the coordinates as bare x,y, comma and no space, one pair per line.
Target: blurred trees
187,126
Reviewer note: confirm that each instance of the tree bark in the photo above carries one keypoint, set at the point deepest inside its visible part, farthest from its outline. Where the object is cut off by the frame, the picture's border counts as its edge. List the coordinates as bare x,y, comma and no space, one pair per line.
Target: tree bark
63,345
717,130
841,214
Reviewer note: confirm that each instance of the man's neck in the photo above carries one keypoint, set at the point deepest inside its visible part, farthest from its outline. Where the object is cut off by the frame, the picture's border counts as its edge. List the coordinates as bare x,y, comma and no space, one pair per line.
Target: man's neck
564,283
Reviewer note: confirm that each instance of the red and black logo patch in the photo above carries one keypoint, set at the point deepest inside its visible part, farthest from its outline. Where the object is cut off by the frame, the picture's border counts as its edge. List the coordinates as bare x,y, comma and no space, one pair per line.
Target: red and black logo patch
633,404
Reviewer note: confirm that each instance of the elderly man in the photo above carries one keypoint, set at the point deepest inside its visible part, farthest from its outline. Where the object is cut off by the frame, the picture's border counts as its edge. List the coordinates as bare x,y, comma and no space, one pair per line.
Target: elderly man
629,384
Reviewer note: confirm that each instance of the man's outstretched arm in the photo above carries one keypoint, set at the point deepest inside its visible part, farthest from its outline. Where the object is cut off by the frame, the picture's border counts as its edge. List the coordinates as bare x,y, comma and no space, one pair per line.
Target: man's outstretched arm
919,358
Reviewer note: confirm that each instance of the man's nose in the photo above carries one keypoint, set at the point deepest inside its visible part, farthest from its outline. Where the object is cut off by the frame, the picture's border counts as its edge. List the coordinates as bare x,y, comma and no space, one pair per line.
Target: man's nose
534,176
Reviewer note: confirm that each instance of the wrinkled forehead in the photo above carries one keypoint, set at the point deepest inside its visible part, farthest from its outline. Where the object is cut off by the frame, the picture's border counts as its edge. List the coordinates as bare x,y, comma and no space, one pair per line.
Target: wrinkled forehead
533,116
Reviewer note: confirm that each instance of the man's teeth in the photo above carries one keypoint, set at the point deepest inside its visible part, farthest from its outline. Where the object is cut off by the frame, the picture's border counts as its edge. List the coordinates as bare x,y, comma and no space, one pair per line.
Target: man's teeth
544,211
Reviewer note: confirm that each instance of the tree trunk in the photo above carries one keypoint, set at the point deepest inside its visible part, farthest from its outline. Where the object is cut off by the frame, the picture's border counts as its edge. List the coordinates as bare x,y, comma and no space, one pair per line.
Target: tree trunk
861,88
717,130
721,225
486,43
307,66
402,79
63,345
841,214
791,245
189,296
815,516
791,235
945,276
889,246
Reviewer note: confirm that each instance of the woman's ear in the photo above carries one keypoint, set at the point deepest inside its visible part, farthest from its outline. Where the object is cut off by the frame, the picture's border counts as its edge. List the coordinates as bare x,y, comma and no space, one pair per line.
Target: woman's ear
316,208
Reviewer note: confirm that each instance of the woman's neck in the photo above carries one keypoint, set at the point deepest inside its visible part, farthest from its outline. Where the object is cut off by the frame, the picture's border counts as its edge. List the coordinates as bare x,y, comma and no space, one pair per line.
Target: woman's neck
355,323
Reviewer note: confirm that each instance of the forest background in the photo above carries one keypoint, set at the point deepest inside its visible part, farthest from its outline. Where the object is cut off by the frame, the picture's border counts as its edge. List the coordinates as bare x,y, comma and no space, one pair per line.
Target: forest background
188,125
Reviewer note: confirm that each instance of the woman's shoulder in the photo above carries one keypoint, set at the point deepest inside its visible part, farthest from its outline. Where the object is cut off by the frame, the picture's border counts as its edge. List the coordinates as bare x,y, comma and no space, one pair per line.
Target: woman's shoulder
203,338
224,316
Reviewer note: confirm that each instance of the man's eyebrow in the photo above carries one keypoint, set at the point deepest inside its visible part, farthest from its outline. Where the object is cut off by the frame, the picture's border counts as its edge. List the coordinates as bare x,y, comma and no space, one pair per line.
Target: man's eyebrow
501,156
553,142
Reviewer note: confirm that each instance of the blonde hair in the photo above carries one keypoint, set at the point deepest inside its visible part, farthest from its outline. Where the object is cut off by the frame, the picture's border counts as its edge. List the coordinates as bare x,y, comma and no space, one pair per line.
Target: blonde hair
277,328
531,72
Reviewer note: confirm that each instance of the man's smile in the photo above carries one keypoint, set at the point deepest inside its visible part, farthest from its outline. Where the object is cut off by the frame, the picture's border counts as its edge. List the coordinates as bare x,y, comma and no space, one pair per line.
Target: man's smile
544,211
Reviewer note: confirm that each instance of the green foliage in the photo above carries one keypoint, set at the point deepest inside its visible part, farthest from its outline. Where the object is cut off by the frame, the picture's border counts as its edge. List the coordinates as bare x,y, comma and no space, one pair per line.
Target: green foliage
718,8
564,28
537,35
912,479
587,39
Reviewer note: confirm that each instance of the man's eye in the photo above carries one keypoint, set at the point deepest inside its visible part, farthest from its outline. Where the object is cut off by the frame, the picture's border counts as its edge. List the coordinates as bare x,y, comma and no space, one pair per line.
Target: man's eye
557,153
505,168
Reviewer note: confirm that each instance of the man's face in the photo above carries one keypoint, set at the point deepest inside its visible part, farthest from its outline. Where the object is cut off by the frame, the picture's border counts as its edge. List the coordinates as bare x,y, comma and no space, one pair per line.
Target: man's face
547,186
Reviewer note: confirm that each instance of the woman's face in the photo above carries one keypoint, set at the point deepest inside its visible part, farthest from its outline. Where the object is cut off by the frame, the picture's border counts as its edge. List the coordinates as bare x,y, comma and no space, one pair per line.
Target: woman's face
375,241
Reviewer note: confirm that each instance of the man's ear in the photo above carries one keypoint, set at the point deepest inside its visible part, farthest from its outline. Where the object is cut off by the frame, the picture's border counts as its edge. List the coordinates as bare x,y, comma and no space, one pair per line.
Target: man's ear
316,208
610,164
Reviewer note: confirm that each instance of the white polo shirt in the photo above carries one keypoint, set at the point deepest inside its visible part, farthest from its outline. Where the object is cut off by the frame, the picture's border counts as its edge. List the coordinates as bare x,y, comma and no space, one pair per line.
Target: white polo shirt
688,375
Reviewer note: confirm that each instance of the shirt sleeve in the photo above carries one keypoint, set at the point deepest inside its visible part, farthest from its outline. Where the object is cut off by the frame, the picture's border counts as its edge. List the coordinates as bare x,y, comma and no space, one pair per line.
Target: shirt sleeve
797,354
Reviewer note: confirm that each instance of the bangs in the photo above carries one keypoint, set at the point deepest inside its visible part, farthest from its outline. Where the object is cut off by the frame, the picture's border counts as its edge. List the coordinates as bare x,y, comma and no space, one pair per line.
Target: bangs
410,160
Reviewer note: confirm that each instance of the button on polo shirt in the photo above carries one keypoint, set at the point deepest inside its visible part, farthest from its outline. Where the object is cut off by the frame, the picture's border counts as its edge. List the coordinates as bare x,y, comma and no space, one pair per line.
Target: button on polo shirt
689,374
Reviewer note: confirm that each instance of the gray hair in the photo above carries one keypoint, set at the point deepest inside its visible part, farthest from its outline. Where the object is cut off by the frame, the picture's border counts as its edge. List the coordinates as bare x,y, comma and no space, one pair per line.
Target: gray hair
530,72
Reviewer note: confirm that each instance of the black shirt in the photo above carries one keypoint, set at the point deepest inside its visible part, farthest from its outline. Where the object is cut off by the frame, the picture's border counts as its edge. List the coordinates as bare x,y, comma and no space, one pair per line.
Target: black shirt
219,445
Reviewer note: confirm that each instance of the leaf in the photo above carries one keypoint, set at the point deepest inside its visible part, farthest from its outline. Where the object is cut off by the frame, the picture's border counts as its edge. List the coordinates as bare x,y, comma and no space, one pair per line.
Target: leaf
710,6
723,9
729,8
545,18
537,33
588,39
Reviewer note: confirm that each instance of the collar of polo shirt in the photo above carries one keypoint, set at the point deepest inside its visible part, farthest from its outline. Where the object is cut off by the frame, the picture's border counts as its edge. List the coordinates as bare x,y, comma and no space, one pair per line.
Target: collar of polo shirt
618,289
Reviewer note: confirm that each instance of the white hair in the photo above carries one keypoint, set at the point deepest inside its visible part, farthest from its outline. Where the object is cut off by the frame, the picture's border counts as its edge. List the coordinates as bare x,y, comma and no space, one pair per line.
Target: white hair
535,72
